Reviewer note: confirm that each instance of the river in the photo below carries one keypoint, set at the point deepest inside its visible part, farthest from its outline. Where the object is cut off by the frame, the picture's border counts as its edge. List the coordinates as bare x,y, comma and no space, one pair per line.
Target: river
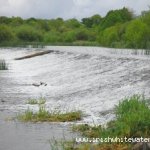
91,79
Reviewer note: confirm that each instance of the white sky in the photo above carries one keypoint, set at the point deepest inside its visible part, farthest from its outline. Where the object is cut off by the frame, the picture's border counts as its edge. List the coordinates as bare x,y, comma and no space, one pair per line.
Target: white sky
67,8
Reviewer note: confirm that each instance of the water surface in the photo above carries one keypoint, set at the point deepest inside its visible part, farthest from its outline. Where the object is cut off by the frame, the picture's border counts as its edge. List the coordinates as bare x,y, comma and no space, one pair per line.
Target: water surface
90,79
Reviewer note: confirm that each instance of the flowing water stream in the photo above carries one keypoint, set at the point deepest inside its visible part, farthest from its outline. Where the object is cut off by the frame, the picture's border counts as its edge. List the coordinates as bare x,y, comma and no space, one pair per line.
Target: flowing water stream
91,79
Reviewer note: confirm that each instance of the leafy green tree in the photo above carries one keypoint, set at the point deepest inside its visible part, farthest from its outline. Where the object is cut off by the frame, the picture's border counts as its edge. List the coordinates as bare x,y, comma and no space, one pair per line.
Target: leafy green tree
91,21
29,34
116,16
109,36
137,34
5,33
82,34
16,21
69,36
72,23
145,17
5,20
52,37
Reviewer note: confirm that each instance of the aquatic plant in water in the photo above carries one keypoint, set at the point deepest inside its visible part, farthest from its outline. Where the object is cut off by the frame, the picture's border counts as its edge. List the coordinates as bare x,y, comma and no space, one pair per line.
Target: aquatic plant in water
43,115
3,65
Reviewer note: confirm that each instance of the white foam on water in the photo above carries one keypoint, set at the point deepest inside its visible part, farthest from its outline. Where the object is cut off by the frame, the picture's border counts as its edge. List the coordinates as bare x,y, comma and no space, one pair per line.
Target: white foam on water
90,79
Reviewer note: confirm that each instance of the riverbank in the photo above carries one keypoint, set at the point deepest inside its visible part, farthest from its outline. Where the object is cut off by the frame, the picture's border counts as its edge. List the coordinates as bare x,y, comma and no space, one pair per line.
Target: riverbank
118,29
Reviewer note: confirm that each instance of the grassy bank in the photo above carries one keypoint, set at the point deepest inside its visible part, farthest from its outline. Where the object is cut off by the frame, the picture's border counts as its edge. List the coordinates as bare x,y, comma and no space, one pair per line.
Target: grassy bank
132,121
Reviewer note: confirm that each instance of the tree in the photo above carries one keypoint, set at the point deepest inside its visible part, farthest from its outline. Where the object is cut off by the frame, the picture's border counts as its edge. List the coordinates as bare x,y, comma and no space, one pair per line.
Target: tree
109,36
116,16
29,34
91,21
5,33
72,23
4,20
16,21
137,34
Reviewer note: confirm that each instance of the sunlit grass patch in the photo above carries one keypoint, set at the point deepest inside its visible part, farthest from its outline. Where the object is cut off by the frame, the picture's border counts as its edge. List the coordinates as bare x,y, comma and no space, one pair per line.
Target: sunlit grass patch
45,116
3,65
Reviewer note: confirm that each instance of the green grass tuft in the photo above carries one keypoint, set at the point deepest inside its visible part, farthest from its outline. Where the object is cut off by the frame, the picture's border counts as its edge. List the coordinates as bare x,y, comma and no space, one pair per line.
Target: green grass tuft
45,116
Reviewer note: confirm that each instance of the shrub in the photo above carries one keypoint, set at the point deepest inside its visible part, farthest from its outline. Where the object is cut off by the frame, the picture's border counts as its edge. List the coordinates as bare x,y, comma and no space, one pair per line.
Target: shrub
69,36
137,34
132,120
28,34
5,33
52,37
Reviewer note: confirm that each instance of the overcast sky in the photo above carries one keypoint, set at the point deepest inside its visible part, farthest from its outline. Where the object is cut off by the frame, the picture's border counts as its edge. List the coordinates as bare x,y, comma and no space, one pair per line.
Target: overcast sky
67,8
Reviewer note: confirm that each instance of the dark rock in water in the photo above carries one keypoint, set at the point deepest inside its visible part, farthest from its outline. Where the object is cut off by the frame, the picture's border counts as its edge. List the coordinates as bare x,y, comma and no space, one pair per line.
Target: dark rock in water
36,84
141,146
43,83
39,84
3,101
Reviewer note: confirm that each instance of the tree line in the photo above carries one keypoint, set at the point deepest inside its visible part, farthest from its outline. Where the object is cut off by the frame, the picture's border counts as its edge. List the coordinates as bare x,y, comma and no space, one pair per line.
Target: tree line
119,28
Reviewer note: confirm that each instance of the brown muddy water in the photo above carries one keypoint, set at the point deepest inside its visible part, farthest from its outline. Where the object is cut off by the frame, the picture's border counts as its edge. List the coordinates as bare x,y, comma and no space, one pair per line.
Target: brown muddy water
91,79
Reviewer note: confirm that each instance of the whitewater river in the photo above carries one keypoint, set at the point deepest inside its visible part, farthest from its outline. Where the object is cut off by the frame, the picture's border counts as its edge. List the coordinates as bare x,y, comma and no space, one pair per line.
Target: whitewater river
90,79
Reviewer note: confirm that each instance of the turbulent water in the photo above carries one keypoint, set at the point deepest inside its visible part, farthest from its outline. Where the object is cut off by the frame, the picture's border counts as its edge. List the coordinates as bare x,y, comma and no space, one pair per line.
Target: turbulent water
90,79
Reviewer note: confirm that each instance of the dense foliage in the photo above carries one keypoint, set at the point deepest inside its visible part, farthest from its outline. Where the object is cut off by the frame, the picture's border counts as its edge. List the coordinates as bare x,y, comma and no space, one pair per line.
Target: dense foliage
119,28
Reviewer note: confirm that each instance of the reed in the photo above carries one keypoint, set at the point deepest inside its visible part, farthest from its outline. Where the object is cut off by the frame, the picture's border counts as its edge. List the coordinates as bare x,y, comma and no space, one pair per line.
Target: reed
3,65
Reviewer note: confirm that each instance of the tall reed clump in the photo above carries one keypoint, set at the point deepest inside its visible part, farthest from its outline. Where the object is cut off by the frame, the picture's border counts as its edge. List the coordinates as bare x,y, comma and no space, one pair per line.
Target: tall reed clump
3,65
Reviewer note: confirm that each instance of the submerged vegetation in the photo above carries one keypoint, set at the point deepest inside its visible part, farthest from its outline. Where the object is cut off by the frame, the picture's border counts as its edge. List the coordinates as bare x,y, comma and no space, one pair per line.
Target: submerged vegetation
39,101
3,65
119,28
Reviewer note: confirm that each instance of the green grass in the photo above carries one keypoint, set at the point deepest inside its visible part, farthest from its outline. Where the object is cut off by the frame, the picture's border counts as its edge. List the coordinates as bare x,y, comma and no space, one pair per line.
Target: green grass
3,65
45,116
132,120
39,101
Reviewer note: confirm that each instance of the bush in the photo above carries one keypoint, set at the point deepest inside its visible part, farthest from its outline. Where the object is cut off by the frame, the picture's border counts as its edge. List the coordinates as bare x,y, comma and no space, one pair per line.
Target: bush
5,33
108,36
28,34
132,120
137,34
52,37
133,115
69,36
